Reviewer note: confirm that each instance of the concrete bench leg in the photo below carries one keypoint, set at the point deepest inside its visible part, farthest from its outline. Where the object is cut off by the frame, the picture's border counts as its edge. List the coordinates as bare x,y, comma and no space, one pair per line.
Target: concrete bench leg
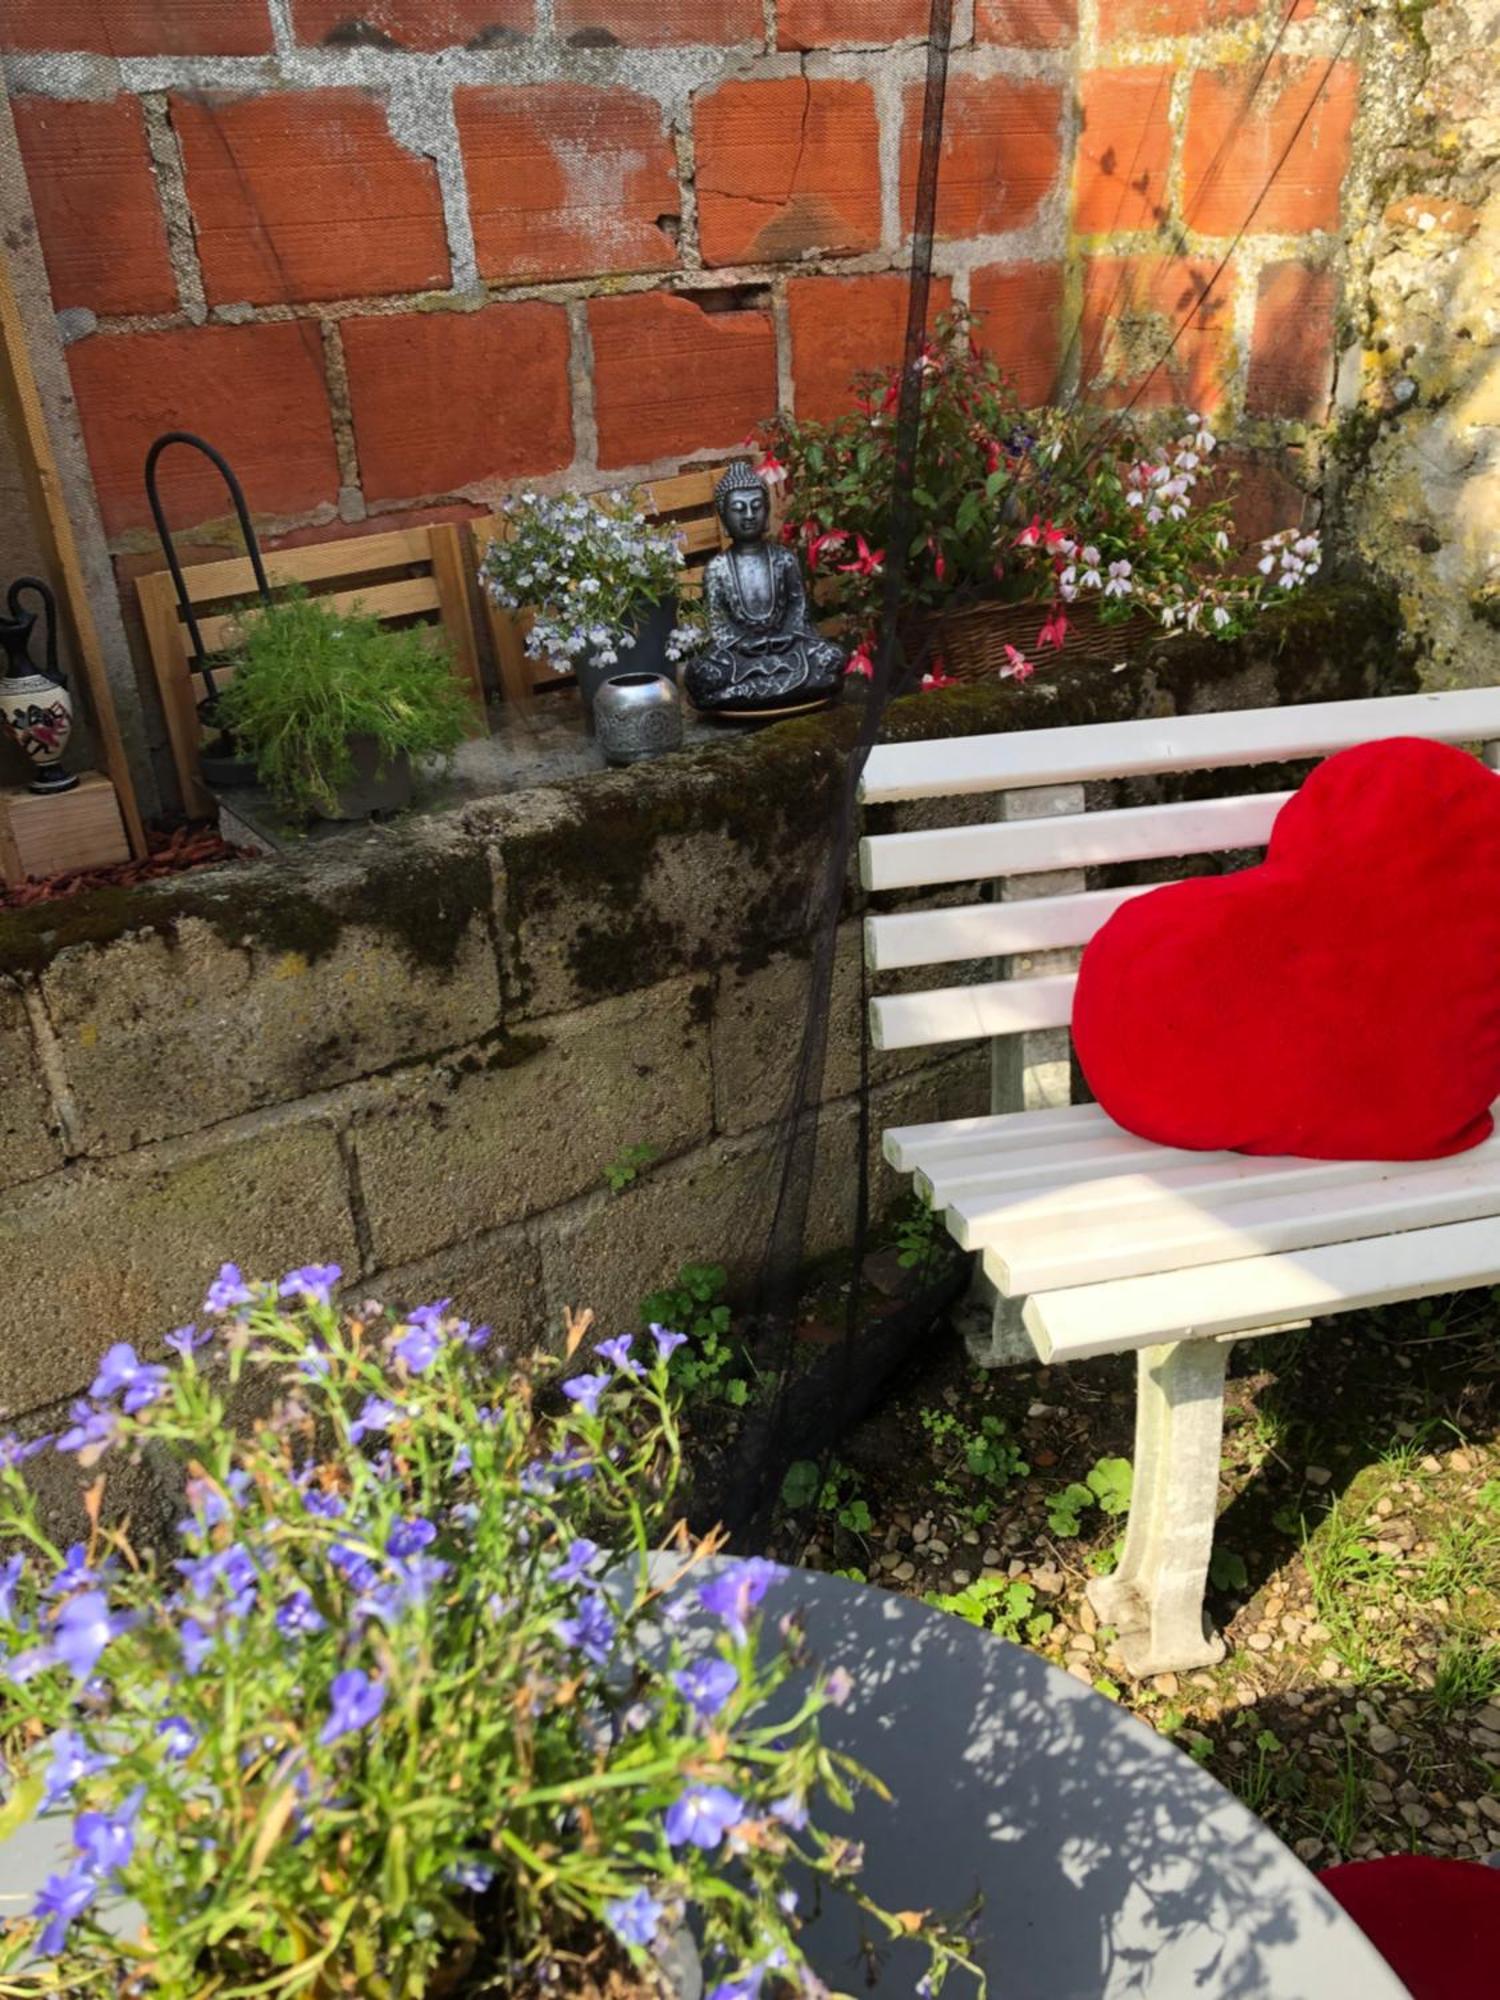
991,1324
1155,1598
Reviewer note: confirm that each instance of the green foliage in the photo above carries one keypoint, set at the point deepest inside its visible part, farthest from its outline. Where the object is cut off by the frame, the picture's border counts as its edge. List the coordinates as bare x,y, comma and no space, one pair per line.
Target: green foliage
622,1172
711,1364
1488,1496
1104,1562
984,1452
995,1604
836,1495
373,1723
1227,1571
1467,1673
1106,1486
919,1237
307,678
1065,1510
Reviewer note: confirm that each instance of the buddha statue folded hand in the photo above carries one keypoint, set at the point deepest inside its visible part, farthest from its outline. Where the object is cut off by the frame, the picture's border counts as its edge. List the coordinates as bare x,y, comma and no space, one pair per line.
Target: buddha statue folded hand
763,650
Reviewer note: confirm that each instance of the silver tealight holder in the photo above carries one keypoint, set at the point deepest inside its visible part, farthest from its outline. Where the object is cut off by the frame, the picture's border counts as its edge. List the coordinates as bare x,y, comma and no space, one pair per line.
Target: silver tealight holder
637,716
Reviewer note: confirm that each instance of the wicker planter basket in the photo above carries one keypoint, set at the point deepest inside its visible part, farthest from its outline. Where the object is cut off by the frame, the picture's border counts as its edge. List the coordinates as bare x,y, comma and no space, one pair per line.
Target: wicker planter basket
971,642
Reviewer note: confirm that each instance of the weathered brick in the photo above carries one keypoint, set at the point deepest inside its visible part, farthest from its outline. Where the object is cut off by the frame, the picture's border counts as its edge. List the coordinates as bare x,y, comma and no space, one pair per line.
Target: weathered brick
1000,155
444,400
94,192
452,1150
1156,331
29,1143
1027,24
139,27
670,378
824,24
1268,151
1121,20
1265,496
565,181
785,166
1124,149
251,1024
600,24
841,326
258,391
144,1236
1291,354
300,195
1021,324
413,24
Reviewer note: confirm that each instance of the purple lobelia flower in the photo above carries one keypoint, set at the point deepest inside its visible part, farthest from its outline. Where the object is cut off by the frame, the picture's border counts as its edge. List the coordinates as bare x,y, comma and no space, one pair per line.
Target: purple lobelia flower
313,1284
791,1812
706,1685
736,1591
61,1900
328,1506
592,1631
72,1762
472,1875
462,1462
375,1415
585,1391
10,1575
667,1343
744,1985
635,1919
90,1431
355,1699
177,1737
228,1292
580,1555
122,1372
186,1340
299,1616
702,1817
417,1347
84,1627
107,1840
74,1574
409,1538
197,1642
617,1353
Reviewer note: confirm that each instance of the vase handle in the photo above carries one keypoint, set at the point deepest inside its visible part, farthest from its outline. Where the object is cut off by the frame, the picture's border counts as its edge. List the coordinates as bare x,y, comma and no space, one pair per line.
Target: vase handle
49,612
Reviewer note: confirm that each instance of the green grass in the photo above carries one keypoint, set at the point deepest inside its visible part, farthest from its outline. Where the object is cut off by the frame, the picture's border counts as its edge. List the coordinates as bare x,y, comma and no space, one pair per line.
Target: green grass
1467,1675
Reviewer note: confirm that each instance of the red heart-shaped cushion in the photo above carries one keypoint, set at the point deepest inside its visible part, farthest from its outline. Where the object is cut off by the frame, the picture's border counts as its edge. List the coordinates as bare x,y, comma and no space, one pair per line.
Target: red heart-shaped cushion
1342,1000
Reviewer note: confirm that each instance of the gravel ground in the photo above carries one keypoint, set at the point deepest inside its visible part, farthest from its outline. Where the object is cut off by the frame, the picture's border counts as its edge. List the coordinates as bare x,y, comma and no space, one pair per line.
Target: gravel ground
1357,1567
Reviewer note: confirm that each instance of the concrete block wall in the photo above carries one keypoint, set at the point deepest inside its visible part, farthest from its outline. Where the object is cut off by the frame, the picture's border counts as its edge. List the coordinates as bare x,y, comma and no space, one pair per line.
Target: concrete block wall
400,256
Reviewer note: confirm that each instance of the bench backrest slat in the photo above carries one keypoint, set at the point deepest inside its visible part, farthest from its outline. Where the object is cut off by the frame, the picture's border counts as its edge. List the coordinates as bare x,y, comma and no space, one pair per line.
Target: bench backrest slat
954,767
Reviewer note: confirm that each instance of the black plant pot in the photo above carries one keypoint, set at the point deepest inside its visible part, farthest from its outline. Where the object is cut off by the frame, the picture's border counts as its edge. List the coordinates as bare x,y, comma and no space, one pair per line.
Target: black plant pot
651,628
374,789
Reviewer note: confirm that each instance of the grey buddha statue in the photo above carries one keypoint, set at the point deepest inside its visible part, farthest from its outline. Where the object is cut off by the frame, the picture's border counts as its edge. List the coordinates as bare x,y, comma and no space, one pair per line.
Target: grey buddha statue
763,649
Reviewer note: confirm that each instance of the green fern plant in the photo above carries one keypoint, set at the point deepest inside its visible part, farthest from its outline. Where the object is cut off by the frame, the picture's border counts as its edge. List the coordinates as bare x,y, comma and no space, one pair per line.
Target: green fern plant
308,679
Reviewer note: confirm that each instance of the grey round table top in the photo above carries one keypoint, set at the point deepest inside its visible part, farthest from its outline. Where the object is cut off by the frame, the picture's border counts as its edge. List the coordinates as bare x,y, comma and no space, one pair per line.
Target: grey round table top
1109,1864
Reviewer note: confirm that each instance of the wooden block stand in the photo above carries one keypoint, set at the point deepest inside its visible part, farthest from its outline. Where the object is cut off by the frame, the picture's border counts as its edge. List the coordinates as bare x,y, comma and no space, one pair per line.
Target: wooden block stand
51,836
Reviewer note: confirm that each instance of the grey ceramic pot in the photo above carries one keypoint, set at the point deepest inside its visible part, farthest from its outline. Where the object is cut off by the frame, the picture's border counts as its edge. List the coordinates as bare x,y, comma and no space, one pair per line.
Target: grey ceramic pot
652,628
637,716
372,789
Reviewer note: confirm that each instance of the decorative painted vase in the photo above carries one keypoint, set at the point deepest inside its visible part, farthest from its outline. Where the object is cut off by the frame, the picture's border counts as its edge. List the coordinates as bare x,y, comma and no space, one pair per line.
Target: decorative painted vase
35,705
637,716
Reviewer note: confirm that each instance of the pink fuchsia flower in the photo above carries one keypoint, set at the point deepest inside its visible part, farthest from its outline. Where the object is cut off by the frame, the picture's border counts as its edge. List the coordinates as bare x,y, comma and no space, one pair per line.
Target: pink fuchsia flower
1055,631
821,545
860,663
771,470
938,678
1017,667
868,562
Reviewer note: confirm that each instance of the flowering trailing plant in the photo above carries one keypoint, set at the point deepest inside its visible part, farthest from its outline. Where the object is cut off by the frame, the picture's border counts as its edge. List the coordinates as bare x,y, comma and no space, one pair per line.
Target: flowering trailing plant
586,569
1054,507
405,1709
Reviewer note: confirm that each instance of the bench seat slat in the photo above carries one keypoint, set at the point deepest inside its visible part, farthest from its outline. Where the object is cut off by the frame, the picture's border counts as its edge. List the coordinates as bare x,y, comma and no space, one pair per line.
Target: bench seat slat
1080,840
990,930
1167,1232
999,1132
1080,1321
952,767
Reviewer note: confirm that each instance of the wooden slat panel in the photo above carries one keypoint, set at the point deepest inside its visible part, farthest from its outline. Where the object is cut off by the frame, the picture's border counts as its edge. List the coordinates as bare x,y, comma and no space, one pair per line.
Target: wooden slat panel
352,556
990,930
1024,847
907,1145
166,641
960,1013
686,491
952,767
1172,1231
698,537
451,579
1079,1321
406,599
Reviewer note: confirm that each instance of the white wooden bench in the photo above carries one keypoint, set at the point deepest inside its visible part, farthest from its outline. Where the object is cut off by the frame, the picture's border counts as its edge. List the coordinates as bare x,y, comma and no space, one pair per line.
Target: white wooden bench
1098,1242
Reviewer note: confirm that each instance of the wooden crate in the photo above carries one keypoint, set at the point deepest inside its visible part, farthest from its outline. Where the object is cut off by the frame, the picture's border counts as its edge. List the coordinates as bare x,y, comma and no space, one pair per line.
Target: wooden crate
687,502
42,836
406,574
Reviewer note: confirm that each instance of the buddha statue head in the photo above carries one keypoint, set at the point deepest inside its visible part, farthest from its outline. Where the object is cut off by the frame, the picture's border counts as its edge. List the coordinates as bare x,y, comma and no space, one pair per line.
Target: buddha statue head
744,502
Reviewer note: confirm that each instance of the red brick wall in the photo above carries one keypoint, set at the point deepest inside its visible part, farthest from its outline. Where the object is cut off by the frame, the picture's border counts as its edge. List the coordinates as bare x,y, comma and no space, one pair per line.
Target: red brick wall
405,254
